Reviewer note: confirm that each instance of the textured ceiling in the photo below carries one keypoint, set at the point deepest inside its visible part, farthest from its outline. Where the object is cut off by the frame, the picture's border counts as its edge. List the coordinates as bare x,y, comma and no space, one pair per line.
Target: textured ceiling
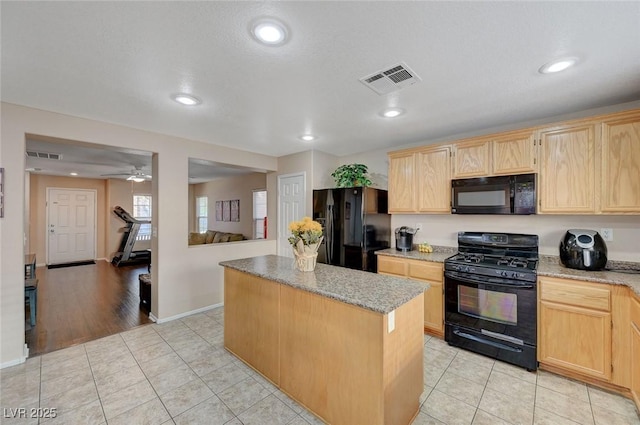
120,62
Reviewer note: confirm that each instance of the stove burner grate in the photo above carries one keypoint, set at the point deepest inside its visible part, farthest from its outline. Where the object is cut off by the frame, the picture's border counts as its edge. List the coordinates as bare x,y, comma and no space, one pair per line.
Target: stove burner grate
513,262
473,258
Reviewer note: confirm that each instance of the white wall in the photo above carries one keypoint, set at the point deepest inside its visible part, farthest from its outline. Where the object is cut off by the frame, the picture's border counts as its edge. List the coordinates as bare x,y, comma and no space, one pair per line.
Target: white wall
443,229
323,165
183,281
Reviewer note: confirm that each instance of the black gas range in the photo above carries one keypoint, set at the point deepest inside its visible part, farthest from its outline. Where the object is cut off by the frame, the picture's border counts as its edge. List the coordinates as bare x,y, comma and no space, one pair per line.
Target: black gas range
490,296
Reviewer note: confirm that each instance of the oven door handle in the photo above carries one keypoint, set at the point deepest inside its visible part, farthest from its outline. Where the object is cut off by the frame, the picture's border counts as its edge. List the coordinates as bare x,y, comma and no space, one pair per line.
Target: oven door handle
486,341
467,279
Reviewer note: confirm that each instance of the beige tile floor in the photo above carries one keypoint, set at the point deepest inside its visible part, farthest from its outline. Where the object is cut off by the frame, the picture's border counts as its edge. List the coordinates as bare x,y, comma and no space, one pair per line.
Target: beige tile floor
179,373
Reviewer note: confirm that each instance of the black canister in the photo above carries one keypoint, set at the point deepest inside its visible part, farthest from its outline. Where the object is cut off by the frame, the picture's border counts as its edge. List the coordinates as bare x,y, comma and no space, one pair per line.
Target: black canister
583,250
404,238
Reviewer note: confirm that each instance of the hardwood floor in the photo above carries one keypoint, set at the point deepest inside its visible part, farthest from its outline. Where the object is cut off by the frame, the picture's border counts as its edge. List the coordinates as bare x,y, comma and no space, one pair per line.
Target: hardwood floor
83,303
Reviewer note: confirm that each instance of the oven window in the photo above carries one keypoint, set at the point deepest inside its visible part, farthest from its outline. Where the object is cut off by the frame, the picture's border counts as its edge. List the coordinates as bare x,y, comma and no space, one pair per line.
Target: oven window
498,307
488,198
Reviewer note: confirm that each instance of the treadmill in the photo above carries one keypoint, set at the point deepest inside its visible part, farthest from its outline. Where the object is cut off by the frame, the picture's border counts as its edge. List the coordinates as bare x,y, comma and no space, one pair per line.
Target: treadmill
126,255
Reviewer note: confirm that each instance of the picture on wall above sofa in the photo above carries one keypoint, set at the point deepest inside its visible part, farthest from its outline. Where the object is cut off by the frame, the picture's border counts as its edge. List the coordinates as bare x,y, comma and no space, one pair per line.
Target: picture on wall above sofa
228,210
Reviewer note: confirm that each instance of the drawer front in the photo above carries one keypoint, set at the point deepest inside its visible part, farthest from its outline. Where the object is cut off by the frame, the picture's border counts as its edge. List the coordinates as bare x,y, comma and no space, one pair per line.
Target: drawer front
635,310
425,271
390,265
575,293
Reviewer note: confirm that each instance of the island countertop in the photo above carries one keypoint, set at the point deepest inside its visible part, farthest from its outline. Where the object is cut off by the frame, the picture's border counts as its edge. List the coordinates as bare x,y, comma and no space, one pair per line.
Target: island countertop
379,293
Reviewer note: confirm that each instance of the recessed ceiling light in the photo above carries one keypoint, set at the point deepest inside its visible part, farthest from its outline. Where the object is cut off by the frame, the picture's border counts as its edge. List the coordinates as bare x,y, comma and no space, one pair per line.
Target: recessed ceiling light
186,99
73,174
558,65
308,137
392,112
269,31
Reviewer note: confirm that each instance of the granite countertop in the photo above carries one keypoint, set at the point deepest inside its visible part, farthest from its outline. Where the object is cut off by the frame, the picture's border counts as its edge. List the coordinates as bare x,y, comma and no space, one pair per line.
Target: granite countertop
379,293
439,254
550,266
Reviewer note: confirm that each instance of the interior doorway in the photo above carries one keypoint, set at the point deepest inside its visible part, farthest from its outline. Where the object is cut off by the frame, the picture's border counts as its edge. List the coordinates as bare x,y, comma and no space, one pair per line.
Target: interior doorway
71,190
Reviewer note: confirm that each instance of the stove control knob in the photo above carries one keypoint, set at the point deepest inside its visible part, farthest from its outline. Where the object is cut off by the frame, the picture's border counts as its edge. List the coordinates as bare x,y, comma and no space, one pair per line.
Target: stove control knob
504,274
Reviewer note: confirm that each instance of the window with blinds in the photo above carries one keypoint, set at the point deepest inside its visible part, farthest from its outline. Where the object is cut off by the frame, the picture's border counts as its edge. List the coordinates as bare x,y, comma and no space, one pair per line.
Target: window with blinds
142,211
259,214
202,213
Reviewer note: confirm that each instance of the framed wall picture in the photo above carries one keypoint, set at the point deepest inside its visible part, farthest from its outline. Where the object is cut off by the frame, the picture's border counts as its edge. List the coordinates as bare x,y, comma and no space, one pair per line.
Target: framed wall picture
226,211
218,210
235,210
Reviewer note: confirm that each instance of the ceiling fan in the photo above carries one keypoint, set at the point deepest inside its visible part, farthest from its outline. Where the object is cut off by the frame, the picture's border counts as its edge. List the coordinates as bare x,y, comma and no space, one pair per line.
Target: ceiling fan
136,175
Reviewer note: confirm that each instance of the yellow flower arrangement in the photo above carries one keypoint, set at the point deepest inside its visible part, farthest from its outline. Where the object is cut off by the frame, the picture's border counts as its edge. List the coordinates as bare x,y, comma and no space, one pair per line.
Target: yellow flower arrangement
306,236
305,230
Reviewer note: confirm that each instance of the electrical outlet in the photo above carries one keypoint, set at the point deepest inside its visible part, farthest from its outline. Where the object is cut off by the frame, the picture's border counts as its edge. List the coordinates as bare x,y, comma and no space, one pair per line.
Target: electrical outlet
607,234
418,226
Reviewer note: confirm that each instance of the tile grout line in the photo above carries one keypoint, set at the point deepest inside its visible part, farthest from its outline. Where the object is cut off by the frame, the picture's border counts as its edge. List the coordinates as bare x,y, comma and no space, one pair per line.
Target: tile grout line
146,377
190,368
95,383
249,376
214,393
482,395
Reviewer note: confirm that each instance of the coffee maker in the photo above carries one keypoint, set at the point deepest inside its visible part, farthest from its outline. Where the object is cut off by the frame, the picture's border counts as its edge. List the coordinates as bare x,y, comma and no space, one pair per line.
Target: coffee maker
404,238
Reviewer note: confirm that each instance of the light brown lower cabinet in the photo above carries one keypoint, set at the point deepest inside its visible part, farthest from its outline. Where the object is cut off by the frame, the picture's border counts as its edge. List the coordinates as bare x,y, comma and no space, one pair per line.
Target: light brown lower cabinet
586,332
635,349
423,271
340,361
574,329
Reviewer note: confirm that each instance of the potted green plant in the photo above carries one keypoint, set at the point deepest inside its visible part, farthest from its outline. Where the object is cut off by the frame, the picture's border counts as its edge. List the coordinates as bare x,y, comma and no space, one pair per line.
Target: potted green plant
351,175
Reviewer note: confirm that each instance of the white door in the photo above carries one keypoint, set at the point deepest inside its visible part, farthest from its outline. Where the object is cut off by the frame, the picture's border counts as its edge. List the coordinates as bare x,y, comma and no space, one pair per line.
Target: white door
291,198
71,225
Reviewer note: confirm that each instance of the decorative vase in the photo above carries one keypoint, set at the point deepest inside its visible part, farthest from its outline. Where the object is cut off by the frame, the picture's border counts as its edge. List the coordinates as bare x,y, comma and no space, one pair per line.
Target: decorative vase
305,262
311,248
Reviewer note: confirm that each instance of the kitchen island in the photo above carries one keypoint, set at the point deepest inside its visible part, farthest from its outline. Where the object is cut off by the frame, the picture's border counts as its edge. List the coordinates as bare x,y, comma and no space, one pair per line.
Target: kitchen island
346,344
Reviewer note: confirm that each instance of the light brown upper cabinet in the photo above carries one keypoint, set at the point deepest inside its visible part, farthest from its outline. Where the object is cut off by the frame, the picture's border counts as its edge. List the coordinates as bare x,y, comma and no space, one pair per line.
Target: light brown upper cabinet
514,153
567,169
402,182
471,158
587,166
499,154
434,179
620,190
420,180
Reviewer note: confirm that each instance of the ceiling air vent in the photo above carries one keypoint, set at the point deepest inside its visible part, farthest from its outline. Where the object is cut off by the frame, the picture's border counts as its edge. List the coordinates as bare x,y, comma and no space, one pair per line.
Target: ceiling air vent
44,155
391,79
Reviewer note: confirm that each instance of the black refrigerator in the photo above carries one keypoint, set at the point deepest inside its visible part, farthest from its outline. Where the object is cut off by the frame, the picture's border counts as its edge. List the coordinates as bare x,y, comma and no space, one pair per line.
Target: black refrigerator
355,224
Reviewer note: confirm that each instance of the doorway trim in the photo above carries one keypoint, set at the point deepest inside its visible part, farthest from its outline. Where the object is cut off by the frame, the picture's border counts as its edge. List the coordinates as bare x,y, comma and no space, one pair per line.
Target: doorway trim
95,218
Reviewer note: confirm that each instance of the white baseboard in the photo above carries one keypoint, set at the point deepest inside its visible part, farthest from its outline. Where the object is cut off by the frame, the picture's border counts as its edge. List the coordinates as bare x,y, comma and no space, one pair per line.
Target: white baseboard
188,313
13,362
153,318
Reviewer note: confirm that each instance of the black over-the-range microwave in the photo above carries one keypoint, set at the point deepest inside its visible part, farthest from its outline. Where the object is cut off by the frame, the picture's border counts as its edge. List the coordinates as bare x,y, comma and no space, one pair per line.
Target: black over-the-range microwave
494,195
